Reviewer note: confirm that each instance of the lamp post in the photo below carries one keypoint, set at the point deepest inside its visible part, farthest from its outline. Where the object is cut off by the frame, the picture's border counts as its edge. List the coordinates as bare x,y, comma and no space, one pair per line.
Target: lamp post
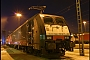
18,15
84,22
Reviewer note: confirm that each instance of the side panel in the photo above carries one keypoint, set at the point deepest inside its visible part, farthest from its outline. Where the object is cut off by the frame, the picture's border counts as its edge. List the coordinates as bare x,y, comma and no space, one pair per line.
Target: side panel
36,35
86,37
23,38
58,37
42,33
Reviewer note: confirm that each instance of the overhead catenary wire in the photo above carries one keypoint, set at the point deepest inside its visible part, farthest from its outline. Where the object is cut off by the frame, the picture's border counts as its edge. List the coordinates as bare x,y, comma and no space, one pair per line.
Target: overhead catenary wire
82,15
69,8
74,14
64,8
73,28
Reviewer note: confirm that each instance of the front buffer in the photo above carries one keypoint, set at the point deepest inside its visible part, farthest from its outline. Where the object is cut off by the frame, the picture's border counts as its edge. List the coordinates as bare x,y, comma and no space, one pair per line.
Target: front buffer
56,48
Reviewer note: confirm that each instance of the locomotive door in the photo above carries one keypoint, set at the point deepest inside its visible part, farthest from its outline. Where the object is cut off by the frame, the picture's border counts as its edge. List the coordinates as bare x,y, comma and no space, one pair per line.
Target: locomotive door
36,35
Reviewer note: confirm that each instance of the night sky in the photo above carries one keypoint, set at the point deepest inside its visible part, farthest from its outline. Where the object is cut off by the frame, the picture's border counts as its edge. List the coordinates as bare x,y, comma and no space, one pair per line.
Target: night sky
65,8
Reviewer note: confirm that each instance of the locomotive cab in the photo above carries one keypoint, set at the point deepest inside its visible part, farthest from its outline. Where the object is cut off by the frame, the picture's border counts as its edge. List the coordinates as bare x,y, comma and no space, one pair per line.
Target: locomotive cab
58,38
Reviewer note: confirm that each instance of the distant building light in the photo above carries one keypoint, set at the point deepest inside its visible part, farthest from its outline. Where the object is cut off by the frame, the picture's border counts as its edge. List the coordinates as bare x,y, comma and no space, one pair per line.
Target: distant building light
9,43
15,42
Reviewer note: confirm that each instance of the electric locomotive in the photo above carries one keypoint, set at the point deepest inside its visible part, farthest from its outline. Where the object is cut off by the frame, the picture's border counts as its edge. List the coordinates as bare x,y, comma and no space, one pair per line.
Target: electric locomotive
42,34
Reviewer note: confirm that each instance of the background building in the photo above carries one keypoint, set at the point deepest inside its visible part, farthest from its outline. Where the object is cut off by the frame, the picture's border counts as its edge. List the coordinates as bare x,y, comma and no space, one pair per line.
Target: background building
3,37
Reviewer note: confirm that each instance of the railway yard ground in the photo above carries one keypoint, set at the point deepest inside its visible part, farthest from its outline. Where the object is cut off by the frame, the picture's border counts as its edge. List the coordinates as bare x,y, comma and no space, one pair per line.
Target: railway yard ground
8,53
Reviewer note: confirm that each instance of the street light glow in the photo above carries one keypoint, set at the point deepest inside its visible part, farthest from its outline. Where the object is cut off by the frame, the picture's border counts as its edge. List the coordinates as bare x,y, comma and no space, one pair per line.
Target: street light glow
84,22
18,14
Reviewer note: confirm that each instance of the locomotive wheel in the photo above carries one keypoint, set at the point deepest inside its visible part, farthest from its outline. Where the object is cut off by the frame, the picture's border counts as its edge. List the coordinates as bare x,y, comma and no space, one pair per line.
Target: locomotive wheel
62,53
24,48
35,52
18,47
38,53
42,52
30,50
15,46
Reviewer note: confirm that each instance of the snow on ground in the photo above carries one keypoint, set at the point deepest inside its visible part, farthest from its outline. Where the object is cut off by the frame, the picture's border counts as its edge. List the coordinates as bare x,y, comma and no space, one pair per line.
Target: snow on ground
76,56
5,55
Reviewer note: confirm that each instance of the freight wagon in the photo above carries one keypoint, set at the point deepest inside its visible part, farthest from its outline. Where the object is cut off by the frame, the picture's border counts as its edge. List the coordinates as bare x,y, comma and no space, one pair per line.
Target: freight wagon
85,38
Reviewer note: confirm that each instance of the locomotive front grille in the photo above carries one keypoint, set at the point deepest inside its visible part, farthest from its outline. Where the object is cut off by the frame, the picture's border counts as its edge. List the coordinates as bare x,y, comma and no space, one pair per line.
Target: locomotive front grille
50,45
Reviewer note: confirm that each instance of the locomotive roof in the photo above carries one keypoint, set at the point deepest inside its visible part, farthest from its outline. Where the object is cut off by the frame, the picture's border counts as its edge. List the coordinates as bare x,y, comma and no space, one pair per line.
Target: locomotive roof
50,15
39,14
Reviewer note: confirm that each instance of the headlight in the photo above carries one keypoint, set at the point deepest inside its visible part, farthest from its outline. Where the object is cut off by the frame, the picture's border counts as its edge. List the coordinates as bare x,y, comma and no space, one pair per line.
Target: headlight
66,37
49,37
